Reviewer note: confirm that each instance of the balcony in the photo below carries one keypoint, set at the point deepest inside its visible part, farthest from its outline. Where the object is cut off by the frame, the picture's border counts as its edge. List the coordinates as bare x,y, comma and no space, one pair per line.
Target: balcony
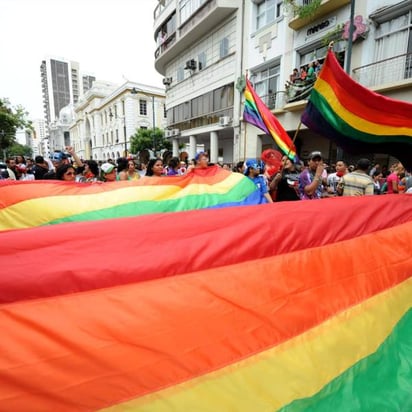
392,73
326,7
198,25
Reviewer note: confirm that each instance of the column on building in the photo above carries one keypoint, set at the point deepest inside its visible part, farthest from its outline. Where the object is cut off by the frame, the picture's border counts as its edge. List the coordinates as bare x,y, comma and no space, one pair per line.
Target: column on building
192,147
175,147
97,120
129,121
214,147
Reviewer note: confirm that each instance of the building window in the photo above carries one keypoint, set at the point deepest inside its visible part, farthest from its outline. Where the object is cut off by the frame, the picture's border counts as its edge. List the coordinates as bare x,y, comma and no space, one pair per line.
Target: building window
202,60
393,40
164,111
394,37
267,12
180,76
188,7
267,84
224,47
143,107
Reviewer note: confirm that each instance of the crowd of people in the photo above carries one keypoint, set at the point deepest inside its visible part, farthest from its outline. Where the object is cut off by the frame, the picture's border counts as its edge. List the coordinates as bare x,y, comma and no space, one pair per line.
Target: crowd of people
317,180
289,182
306,74
67,166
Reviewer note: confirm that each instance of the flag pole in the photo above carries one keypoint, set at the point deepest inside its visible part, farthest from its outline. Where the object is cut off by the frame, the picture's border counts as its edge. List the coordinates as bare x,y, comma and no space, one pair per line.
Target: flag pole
244,140
244,145
350,40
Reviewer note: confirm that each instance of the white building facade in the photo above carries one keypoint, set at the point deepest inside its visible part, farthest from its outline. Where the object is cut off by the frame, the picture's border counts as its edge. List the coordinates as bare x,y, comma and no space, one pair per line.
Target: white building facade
108,115
204,47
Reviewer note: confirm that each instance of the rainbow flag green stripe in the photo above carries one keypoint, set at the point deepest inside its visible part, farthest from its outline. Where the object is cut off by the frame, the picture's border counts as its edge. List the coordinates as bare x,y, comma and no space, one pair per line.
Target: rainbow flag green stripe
57,202
380,382
238,195
357,119
323,98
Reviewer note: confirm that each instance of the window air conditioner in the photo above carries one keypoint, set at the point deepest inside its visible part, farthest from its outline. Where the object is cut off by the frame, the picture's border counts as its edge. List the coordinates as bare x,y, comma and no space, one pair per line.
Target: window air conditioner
224,120
191,65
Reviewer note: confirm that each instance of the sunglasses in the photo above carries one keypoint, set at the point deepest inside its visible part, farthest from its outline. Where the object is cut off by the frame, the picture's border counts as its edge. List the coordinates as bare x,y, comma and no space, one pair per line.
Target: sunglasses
69,174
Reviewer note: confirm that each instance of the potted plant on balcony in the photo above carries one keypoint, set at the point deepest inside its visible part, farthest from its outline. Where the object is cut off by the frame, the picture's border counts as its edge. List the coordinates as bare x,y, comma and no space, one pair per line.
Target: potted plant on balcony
305,10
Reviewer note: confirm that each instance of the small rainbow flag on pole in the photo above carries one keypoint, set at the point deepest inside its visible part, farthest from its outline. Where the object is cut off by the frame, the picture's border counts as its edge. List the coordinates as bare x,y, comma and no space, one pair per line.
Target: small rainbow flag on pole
356,118
257,113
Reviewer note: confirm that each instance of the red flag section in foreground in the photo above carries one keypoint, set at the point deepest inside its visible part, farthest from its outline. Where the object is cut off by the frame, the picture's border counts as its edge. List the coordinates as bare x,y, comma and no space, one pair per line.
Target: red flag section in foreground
293,306
356,118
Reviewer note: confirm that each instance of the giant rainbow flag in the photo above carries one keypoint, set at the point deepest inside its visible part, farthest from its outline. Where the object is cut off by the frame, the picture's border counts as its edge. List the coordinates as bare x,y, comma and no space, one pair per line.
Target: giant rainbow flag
257,113
356,118
292,306
46,202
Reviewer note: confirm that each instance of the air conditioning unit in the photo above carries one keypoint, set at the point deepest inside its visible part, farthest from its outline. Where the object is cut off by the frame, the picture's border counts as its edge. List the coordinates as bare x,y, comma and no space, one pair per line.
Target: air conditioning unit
172,133
191,65
167,81
224,120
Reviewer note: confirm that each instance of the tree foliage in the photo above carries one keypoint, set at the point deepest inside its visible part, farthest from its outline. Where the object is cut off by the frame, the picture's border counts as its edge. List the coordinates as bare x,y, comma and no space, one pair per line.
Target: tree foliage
149,139
19,149
11,119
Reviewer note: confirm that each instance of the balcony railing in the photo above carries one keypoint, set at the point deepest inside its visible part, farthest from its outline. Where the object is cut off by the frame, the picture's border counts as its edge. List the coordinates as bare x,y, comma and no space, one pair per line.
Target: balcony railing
387,71
275,100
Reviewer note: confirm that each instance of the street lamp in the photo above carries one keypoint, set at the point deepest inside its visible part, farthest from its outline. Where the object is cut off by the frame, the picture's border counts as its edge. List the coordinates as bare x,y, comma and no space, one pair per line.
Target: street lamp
135,90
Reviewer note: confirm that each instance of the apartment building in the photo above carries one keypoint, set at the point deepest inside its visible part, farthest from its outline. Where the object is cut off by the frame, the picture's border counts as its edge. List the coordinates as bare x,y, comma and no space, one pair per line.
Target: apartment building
199,53
62,85
206,47
108,115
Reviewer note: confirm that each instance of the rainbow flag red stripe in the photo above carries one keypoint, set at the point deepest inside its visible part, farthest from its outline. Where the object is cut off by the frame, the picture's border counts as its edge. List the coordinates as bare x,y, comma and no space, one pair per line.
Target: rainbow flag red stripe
356,118
258,114
211,308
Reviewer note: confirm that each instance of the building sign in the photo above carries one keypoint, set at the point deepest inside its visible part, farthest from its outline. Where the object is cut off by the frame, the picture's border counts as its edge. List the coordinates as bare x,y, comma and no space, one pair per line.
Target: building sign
321,27
359,29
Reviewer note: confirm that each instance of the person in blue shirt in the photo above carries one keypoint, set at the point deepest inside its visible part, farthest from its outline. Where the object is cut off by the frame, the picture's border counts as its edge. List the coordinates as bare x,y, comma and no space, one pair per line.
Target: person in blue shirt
252,171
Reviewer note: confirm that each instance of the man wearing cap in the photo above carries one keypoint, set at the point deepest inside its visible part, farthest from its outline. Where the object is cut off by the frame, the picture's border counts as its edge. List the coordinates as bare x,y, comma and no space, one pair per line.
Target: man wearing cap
310,180
252,171
57,158
108,172
202,160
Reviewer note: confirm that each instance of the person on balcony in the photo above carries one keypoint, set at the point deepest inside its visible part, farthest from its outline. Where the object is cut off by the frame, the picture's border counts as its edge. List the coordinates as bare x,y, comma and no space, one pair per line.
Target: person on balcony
310,75
294,76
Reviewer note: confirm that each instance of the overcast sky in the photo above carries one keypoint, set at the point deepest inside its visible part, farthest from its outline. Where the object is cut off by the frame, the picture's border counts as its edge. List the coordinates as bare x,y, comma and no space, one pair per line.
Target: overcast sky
111,39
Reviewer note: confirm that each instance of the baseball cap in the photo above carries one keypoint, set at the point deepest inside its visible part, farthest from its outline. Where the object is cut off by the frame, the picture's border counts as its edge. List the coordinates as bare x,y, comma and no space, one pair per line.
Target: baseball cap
315,155
58,156
200,154
107,167
251,163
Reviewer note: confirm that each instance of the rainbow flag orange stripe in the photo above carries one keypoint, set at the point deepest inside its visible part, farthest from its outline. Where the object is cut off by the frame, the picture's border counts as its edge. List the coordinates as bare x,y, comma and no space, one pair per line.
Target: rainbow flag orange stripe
281,319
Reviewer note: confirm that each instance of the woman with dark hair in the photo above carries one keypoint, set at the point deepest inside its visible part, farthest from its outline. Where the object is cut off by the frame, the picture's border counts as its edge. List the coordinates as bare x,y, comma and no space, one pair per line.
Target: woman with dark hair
122,168
91,172
155,168
173,167
66,172
131,170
